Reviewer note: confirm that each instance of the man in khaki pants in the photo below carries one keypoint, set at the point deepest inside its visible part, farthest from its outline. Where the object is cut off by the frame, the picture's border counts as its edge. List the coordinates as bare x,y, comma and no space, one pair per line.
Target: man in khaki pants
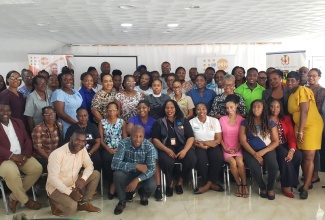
68,191
15,156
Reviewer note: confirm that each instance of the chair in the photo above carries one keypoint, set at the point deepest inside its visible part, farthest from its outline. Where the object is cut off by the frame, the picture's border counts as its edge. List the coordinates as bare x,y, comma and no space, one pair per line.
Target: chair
101,183
4,195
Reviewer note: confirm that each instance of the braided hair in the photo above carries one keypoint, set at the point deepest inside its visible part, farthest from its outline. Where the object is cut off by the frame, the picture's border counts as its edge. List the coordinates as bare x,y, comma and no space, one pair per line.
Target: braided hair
265,125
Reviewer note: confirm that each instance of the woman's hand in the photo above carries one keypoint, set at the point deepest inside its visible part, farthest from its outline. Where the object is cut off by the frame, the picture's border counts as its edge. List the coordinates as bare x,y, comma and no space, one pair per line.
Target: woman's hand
170,153
289,157
258,157
181,154
112,150
199,144
300,136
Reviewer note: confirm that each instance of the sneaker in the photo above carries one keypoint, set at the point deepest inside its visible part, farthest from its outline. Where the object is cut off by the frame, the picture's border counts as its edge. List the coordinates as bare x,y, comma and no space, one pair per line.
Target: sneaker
87,206
158,194
169,191
54,209
119,208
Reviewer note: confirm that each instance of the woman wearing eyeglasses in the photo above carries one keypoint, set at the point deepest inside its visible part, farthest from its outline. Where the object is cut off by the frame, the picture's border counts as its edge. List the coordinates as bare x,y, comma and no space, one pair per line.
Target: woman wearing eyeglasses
128,100
14,98
46,136
112,130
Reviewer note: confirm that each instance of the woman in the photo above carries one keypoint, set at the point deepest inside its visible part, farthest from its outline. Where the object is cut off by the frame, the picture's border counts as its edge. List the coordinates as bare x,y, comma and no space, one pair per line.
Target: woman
117,80
277,90
144,84
157,99
262,79
207,133
202,94
219,105
170,79
239,73
111,129
38,99
93,137
259,137
87,93
218,78
173,136
53,83
102,98
288,157
147,122
14,98
180,73
308,126
184,102
2,84
314,76
232,149
47,136
66,101
128,100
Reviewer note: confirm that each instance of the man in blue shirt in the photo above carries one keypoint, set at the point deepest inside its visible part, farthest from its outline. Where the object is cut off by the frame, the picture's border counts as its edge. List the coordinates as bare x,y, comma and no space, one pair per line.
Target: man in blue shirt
134,165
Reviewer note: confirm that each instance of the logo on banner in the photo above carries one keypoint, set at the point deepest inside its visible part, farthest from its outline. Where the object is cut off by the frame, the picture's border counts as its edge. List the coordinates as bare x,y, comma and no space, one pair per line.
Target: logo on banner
222,64
285,60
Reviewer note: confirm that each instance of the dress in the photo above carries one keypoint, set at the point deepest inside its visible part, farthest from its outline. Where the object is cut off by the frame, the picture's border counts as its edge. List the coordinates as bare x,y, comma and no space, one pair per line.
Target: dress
71,104
230,135
128,104
101,100
112,132
314,124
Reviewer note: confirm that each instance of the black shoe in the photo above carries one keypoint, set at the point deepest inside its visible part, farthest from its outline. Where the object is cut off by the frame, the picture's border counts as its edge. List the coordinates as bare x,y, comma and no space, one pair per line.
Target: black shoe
144,200
302,187
303,194
271,197
179,189
129,196
197,191
316,181
119,208
110,196
169,191
158,194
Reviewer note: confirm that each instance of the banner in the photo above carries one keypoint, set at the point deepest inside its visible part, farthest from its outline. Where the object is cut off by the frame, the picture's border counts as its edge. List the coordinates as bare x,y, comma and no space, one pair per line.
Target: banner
218,62
51,63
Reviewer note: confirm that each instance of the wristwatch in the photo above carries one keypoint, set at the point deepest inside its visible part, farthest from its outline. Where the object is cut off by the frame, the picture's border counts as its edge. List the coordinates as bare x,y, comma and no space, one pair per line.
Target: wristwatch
139,179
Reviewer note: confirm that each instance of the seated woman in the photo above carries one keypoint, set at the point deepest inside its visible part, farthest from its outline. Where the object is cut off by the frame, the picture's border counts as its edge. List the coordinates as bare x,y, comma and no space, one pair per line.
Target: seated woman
147,122
207,133
157,99
288,157
87,93
259,137
232,150
47,136
93,137
172,134
184,102
112,130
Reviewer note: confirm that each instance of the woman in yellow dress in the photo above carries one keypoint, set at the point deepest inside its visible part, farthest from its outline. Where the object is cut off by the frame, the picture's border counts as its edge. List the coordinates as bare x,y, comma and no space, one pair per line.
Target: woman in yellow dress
308,126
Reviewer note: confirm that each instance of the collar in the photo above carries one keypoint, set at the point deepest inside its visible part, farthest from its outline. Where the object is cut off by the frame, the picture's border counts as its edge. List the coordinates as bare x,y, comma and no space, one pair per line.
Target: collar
9,124
157,96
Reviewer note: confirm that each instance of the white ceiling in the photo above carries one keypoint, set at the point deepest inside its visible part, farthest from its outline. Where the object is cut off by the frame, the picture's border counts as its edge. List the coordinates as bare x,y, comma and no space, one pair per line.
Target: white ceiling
98,22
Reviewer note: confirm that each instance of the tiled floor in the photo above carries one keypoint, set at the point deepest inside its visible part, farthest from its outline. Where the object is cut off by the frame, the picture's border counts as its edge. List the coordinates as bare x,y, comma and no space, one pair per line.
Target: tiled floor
211,205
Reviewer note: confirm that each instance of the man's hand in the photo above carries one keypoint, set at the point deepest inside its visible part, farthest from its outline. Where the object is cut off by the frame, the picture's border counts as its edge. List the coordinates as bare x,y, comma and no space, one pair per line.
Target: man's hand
19,159
80,183
75,195
141,167
132,186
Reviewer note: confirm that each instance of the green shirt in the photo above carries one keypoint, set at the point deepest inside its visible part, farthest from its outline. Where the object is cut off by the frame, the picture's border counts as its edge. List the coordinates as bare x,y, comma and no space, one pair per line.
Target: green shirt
250,95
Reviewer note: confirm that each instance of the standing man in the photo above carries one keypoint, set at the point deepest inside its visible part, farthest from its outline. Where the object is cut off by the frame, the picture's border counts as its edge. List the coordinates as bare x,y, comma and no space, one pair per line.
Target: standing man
134,162
165,71
105,67
189,85
27,76
209,74
303,72
15,157
68,190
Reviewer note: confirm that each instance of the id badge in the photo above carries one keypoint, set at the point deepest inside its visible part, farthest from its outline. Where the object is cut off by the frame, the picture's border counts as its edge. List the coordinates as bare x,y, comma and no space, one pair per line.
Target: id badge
173,141
89,137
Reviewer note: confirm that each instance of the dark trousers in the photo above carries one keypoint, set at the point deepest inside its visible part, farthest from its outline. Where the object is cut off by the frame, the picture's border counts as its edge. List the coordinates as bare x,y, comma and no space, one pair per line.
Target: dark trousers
209,163
122,179
96,158
317,161
107,161
43,162
271,165
289,170
167,163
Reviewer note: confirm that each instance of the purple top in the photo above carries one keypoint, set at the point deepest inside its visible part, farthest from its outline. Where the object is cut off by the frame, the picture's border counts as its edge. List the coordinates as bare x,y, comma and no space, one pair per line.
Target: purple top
136,120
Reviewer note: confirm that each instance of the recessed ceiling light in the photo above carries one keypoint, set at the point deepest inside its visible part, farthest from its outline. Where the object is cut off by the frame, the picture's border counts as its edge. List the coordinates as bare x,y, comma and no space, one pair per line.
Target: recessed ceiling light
42,24
126,25
127,6
54,31
17,2
192,7
172,25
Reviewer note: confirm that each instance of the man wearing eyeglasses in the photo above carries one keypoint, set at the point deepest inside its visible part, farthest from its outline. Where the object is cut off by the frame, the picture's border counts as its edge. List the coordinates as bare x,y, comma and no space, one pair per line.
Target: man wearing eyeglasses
68,190
27,76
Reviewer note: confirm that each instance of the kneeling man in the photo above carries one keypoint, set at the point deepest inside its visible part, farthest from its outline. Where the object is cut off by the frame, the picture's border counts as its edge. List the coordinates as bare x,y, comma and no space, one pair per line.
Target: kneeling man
68,190
134,162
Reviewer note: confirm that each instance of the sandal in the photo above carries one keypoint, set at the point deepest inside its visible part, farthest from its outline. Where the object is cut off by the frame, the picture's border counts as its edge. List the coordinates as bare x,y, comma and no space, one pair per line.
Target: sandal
245,191
239,191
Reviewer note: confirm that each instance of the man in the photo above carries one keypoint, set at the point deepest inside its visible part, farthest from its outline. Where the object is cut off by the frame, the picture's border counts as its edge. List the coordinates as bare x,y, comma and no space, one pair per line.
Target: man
134,165
165,71
250,90
209,74
68,190
303,72
92,70
189,85
15,157
27,76
54,69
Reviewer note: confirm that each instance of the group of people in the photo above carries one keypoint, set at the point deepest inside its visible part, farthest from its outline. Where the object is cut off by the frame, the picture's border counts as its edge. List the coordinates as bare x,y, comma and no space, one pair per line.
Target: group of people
132,129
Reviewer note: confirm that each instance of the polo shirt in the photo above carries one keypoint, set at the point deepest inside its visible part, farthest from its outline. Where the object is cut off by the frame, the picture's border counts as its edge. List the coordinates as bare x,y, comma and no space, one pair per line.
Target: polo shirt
250,95
185,104
207,130
206,98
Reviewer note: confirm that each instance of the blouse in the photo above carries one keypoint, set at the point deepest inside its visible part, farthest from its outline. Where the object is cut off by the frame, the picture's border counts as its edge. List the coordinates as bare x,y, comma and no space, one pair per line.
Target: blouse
112,132
101,100
128,104
219,105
